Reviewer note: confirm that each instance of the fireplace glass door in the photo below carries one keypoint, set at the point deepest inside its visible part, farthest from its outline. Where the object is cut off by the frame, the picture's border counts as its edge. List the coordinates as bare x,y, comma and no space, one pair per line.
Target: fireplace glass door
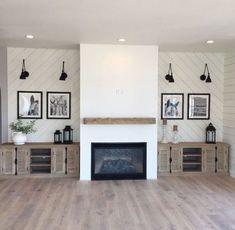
118,161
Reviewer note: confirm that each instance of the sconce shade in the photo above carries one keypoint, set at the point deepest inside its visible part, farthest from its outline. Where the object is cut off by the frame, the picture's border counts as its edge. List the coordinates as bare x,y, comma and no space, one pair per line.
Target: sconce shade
169,77
210,134
203,76
208,80
24,74
63,75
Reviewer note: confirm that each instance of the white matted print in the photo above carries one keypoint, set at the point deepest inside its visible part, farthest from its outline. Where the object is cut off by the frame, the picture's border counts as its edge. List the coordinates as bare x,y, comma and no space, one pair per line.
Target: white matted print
172,106
199,106
29,104
58,105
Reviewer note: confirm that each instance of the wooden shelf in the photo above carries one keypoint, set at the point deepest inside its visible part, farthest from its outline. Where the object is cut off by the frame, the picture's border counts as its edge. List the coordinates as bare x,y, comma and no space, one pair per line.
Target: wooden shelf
192,155
118,120
40,165
38,156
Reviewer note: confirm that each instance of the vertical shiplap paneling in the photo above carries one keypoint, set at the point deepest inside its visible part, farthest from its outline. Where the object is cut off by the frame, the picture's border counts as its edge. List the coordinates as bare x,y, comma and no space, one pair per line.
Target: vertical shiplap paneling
229,106
44,66
187,68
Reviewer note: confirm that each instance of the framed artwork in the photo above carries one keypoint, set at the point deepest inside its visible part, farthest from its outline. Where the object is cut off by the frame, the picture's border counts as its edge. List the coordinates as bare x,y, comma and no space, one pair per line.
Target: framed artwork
172,106
58,105
199,106
29,104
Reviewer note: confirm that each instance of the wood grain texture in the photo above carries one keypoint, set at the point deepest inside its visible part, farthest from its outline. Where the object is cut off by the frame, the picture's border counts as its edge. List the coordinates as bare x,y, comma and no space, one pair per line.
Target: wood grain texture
68,204
118,120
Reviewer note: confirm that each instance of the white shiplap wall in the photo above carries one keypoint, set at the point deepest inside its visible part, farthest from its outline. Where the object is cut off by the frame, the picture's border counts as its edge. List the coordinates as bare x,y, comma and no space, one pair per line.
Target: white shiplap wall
187,68
44,66
229,106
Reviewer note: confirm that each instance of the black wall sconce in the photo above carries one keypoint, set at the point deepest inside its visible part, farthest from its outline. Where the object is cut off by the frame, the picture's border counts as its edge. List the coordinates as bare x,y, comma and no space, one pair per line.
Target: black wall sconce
24,73
63,75
169,76
203,76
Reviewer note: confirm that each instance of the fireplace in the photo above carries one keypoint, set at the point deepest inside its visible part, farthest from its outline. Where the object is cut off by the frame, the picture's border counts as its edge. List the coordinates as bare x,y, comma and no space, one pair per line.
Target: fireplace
113,161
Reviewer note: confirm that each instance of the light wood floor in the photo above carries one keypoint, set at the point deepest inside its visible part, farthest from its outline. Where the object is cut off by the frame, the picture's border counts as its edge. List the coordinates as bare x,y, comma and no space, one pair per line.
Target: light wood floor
188,202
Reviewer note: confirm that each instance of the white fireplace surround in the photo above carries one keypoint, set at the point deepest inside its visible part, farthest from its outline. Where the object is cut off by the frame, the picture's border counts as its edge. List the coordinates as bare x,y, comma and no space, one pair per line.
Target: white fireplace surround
118,81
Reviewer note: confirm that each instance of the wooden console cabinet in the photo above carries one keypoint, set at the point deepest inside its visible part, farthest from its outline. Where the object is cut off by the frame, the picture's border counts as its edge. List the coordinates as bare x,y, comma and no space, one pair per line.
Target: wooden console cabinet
193,157
39,158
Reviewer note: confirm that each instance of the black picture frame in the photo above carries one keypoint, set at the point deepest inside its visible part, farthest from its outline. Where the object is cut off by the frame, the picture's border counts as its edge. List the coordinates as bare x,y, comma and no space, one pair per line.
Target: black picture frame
58,105
172,106
199,106
29,105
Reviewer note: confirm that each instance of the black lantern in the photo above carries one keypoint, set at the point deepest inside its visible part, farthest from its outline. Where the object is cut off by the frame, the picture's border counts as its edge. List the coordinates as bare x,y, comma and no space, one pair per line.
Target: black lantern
210,134
68,135
57,137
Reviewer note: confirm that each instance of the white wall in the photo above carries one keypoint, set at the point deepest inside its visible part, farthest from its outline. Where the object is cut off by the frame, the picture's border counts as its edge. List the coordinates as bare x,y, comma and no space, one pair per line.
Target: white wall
187,68
3,87
44,66
229,107
118,81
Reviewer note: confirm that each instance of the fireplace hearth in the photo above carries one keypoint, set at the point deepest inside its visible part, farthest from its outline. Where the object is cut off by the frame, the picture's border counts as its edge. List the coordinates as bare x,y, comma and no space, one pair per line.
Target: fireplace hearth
113,161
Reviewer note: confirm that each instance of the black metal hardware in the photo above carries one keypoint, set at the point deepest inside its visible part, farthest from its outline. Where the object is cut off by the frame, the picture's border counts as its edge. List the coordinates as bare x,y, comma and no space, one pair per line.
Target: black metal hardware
24,74
169,77
15,161
63,75
66,160
203,76
170,160
216,159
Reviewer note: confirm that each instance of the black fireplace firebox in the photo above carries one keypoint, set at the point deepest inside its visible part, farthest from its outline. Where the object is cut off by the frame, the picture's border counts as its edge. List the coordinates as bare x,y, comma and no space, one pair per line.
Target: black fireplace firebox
118,161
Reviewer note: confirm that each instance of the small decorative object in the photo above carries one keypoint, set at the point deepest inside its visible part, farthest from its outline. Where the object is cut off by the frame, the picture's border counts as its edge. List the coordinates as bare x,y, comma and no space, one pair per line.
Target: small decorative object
57,137
199,106
164,131
210,134
63,75
169,77
24,73
203,76
58,105
29,104
175,137
20,130
172,106
67,135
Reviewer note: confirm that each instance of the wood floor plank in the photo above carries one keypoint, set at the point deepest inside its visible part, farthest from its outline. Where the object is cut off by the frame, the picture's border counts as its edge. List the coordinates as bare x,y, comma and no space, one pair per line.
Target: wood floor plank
185,202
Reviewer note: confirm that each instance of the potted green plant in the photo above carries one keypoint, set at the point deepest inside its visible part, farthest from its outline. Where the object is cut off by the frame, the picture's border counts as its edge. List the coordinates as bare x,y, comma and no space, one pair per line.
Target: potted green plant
20,129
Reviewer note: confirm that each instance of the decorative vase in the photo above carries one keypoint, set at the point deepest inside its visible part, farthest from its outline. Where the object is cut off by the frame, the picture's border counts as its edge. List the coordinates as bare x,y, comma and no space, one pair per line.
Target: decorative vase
175,137
19,138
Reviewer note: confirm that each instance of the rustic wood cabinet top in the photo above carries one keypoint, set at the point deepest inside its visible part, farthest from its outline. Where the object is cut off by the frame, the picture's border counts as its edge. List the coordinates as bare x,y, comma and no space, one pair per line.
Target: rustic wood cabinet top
39,144
199,144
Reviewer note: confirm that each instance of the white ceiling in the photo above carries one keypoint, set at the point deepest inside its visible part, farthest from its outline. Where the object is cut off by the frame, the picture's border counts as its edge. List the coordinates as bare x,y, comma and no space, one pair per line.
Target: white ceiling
174,25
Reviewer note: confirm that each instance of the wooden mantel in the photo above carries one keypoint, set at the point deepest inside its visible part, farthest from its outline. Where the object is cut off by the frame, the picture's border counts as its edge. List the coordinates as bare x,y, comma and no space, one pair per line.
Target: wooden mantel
119,120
